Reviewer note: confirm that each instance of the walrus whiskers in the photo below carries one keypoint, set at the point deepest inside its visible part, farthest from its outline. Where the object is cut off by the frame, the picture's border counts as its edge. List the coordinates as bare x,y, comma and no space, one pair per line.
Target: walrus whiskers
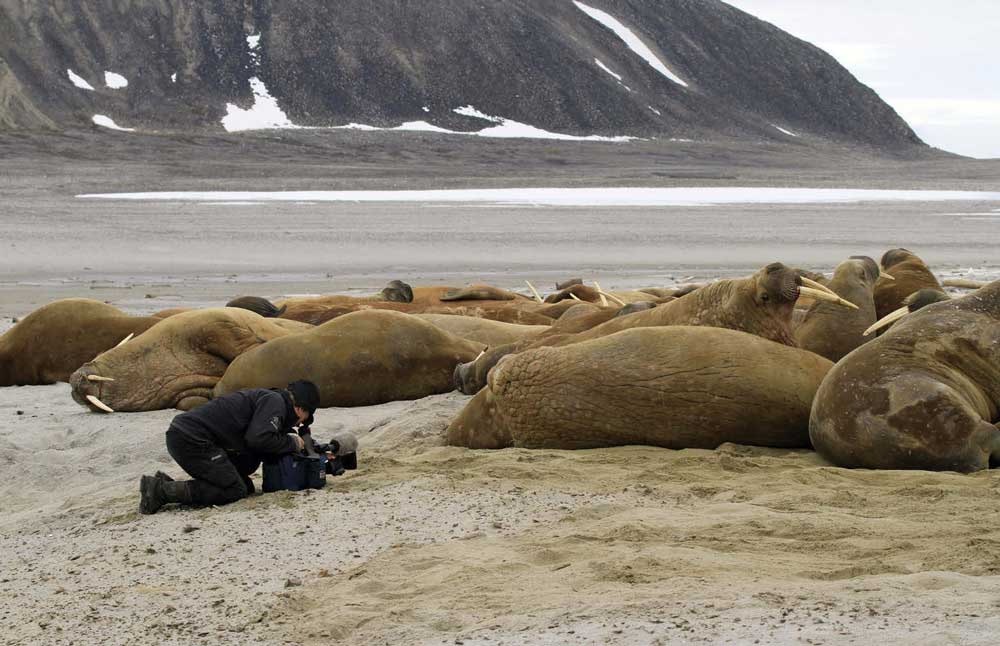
125,340
824,296
534,291
99,404
887,320
98,378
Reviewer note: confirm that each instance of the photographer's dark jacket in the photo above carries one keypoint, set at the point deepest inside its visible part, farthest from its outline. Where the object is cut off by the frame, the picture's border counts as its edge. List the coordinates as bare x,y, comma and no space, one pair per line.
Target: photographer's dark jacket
255,421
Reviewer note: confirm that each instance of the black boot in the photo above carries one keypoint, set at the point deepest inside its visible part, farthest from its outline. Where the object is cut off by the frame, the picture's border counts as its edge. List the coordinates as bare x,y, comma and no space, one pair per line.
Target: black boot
162,476
154,493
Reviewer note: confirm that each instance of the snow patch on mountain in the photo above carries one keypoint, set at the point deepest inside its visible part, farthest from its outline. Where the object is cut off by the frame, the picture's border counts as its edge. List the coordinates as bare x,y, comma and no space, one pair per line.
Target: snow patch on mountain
78,81
631,40
107,122
115,81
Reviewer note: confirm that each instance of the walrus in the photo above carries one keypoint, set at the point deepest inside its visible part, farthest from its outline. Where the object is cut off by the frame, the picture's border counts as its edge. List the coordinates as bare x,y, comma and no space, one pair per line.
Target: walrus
827,329
910,274
360,359
47,345
675,387
760,304
176,363
924,395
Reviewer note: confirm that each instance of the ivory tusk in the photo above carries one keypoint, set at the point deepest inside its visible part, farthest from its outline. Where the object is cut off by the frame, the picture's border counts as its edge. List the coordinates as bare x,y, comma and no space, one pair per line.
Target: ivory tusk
887,320
882,274
534,291
824,296
820,286
962,283
617,300
604,299
99,404
125,340
98,378
574,297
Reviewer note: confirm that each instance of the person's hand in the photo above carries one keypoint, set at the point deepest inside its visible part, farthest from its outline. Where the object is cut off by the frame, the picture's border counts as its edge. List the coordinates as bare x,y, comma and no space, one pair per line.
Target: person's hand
300,445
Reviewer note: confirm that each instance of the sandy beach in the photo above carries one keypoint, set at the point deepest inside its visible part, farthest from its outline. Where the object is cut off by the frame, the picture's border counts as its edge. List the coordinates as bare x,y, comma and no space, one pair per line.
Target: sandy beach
428,544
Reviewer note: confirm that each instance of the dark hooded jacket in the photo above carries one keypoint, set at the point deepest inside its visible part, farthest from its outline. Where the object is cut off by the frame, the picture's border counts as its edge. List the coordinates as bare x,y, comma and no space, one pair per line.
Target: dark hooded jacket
254,421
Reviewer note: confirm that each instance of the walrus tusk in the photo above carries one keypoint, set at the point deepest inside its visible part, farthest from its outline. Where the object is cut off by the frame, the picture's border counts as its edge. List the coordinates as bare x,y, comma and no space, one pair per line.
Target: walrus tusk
617,300
604,299
125,340
99,404
574,297
824,296
98,378
963,283
534,291
882,274
820,286
481,353
887,320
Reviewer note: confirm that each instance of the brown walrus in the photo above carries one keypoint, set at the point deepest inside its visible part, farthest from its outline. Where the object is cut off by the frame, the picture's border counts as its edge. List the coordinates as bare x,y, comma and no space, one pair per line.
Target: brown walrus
827,329
47,345
675,387
176,363
925,395
360,359
760,304
910,274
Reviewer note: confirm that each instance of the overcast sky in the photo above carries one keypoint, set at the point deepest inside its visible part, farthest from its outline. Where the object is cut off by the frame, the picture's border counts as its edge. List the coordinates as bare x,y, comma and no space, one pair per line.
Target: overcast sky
937,63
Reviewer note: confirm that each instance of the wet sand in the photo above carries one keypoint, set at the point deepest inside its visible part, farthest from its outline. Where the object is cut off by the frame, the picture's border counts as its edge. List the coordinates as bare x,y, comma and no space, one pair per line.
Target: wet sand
427,544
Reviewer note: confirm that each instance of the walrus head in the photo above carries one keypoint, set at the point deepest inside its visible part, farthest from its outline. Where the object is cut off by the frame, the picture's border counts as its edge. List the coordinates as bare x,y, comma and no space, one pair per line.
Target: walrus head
174,364
397,292
896,256
915,301
763,303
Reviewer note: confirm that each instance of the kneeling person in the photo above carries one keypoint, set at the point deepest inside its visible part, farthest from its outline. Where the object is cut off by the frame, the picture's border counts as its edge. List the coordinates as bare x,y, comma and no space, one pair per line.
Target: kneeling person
222,442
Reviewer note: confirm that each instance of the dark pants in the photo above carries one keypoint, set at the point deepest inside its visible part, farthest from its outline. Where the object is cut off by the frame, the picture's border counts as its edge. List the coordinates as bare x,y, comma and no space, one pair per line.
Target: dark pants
219,477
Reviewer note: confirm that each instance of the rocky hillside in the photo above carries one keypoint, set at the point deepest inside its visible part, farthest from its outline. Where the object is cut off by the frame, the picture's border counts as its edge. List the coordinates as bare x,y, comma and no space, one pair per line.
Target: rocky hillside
670,68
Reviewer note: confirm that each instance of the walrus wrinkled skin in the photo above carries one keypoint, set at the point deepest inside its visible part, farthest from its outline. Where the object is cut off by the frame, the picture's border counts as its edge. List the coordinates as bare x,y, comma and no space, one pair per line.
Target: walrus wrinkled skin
828,329
760,304
176,363
360,359
924,395
910,274
47,345
676,387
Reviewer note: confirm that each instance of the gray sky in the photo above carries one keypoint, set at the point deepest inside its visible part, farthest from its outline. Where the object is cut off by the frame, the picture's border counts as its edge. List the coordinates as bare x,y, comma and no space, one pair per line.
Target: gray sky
936,63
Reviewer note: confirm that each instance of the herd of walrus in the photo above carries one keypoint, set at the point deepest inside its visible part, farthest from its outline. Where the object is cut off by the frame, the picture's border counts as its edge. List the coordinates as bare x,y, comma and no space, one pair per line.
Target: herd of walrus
877,367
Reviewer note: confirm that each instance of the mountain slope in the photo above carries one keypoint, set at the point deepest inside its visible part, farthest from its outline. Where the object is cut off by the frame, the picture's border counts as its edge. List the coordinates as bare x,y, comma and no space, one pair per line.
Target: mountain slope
559,65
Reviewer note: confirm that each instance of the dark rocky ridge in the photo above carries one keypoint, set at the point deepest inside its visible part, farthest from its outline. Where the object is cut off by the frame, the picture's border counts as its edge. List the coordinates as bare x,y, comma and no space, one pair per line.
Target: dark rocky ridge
381,62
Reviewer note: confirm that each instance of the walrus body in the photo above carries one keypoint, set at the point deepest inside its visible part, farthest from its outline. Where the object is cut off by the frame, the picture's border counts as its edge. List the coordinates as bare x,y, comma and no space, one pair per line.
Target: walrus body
360,359
47,345
910,275
176,363
675,387
924,395
830,331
